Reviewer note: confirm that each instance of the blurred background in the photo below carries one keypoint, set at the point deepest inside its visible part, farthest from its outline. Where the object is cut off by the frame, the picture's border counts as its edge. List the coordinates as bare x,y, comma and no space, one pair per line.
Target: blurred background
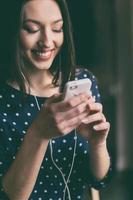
103,32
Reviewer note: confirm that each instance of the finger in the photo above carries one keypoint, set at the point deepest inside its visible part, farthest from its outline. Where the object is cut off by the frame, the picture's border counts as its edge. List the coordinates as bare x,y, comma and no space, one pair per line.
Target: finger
91,99
96,117
72,123
67,130
76,111
68,115
76,121
94,107
71,103
76,100
104,126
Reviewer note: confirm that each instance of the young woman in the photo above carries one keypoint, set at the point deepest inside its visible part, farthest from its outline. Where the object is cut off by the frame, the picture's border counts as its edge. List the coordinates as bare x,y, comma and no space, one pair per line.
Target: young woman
50,149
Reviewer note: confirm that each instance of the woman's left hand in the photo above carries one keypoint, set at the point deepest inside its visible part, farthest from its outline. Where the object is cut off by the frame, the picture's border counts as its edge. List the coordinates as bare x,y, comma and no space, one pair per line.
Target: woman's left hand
94,127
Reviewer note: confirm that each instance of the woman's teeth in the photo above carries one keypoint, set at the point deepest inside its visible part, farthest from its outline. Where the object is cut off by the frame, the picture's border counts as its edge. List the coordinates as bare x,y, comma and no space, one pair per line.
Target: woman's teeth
43,54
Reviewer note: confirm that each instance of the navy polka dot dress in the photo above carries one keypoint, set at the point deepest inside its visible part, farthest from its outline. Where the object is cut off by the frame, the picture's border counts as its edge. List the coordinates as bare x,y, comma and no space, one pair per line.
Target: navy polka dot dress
15,118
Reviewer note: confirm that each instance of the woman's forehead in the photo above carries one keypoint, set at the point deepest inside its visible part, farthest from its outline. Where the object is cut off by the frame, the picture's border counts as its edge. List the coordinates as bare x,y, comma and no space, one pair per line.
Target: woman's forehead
42,10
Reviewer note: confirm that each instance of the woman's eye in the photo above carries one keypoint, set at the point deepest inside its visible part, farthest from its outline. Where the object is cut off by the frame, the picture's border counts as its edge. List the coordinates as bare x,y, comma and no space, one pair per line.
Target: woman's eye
31,29
58,30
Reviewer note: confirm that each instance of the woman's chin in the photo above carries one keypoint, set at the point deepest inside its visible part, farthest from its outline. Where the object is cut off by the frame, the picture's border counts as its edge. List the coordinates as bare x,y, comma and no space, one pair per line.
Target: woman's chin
42,65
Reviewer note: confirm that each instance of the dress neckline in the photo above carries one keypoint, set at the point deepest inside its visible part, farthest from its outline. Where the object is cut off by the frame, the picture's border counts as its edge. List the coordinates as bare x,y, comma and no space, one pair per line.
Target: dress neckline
19,92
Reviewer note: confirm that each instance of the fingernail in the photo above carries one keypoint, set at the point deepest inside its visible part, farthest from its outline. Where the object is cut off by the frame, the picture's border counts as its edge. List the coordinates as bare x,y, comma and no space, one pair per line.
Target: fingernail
95,127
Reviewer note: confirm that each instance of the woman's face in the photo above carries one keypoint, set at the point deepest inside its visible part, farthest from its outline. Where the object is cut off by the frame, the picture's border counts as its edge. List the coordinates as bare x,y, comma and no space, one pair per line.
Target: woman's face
41,33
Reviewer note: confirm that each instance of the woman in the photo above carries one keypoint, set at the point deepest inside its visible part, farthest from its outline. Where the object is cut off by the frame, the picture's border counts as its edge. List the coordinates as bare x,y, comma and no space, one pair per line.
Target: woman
49,148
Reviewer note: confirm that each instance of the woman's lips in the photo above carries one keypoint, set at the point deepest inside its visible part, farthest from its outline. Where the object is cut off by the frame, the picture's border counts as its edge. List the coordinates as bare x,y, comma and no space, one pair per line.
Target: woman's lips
42,55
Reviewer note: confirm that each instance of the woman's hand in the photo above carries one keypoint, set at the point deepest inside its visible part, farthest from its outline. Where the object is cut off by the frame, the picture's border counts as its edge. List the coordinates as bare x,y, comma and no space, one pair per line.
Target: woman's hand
94,127
59,117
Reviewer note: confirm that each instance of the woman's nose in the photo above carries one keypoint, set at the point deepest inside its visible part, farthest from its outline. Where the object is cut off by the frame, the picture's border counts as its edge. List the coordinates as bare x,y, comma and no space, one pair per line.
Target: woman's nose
43,44
45,41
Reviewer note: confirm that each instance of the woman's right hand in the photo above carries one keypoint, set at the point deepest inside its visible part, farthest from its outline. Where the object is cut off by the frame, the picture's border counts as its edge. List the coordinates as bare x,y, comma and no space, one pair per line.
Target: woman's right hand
58,117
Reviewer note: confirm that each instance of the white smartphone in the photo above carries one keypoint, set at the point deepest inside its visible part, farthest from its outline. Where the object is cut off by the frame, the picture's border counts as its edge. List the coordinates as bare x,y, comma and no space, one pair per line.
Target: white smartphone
74,88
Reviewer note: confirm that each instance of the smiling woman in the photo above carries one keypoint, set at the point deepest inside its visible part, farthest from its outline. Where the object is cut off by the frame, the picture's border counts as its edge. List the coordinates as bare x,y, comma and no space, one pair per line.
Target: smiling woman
49,148
41,33
30,24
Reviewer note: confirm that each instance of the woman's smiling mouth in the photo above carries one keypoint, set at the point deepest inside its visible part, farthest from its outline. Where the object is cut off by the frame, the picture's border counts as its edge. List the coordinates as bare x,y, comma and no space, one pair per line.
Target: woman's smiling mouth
42,55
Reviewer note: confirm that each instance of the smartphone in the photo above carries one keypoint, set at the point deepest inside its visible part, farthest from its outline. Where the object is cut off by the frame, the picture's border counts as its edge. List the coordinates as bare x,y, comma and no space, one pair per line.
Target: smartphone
74,88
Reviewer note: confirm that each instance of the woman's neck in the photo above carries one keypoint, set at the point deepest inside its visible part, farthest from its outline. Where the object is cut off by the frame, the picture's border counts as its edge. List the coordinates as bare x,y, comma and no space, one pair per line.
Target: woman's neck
39,84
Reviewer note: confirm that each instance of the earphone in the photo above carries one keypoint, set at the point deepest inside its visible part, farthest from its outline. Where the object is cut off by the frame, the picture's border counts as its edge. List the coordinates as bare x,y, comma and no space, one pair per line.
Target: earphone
72,164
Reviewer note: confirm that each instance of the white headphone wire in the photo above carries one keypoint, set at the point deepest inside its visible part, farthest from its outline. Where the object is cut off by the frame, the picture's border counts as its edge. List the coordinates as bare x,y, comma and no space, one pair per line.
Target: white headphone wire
66,185
72,164
38,106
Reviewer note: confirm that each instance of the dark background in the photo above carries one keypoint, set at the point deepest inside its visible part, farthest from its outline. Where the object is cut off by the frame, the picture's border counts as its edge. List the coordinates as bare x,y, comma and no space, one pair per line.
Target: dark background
103,33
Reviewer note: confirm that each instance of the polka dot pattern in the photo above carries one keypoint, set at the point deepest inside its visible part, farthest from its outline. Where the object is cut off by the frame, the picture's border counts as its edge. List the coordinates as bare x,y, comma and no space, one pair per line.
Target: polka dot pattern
15,118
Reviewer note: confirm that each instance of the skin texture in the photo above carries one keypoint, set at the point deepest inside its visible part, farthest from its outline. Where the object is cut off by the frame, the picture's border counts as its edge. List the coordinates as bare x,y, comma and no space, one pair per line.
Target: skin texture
40,45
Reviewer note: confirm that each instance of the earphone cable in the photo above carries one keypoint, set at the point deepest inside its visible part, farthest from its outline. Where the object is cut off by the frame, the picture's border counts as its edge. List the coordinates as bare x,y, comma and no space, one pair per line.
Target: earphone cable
72,164
73,159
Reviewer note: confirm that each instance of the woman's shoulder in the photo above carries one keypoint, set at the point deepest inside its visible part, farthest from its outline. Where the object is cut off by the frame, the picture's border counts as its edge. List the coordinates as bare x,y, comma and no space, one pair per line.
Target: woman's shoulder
6,89
3,88
84,72
8,95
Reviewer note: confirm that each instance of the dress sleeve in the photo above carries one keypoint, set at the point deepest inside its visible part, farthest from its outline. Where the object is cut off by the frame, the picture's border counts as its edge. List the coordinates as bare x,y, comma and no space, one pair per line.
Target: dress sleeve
98,185
5,161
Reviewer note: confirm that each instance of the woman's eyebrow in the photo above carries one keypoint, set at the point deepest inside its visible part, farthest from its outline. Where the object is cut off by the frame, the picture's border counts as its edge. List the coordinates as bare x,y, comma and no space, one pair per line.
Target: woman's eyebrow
56,21
39,23
31,20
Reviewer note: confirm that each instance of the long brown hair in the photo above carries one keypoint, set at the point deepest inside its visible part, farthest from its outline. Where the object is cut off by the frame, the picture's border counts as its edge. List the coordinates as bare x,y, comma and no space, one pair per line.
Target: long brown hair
63,64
